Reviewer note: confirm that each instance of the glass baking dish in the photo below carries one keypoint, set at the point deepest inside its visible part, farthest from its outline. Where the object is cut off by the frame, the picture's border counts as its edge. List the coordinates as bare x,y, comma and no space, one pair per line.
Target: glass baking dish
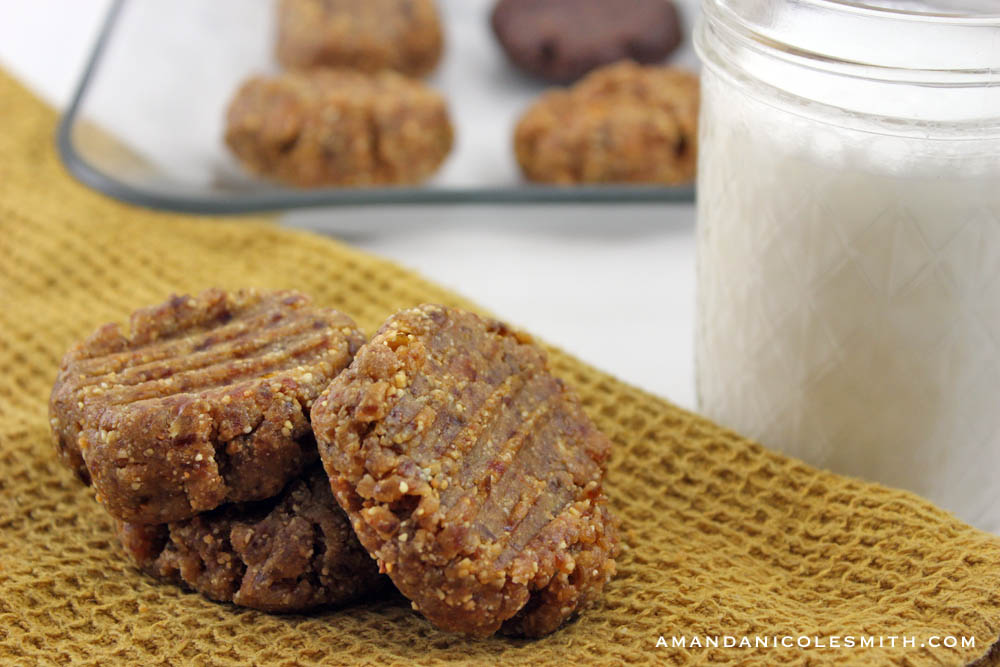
145,124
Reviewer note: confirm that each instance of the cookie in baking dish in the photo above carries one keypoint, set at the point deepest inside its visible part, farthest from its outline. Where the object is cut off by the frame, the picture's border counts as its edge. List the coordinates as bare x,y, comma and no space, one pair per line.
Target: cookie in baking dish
339,127
368,35
624,123
561,40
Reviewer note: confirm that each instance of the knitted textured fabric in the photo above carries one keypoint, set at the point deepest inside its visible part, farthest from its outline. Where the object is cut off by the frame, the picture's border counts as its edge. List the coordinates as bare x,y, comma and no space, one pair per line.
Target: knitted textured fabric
722,537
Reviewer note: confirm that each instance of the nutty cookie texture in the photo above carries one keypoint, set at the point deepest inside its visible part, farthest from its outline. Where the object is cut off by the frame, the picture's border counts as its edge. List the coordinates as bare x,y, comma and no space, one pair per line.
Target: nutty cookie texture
336,127
290,553
470,473
205,401
368,35
624,123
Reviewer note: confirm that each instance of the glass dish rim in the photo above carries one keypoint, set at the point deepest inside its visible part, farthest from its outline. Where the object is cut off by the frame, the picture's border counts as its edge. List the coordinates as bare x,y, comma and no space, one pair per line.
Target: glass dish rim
273,200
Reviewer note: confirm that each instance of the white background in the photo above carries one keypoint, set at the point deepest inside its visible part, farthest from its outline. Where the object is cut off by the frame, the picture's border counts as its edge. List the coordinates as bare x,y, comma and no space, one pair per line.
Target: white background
614,285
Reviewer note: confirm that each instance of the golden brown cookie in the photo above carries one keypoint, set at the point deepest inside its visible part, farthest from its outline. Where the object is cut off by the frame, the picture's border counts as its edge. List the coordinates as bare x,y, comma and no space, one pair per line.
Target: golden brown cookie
470,472
292,552
339,127
205,401
368,35
620,124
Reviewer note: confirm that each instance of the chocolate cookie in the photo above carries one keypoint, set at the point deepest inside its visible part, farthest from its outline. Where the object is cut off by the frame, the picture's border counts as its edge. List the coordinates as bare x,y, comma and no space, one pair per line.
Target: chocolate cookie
470,473
621,124
561,40
369,35
290,553
205,401
339,127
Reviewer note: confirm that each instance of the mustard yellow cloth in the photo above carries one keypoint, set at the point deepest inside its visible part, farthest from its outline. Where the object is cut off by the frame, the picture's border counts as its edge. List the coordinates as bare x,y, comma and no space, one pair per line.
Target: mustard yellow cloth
723,537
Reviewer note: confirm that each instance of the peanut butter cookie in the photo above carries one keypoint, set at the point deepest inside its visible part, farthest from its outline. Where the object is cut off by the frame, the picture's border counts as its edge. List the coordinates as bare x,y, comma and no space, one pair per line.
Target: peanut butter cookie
289,553
620,124
369,35
470,473
205,401
334,127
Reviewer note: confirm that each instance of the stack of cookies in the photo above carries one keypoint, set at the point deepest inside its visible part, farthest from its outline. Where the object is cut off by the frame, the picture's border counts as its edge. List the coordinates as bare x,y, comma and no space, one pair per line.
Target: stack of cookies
253,447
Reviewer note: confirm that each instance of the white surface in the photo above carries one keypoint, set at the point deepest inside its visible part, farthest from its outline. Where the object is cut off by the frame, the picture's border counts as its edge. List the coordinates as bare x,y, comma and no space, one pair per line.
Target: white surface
46,42
614,285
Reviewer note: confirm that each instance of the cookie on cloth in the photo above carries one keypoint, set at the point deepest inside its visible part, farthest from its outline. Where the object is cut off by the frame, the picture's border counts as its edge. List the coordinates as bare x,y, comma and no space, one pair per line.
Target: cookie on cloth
289,553
205,401
470,472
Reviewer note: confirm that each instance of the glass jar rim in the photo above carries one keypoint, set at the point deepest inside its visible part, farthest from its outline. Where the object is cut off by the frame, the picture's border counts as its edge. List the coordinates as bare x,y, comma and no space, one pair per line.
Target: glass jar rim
862,39
941,14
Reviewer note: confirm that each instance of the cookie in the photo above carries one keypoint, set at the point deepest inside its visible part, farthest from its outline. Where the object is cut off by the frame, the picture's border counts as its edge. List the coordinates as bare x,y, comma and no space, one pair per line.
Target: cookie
368,35
205,401
470,473
338,127
561,40
290,553
621,124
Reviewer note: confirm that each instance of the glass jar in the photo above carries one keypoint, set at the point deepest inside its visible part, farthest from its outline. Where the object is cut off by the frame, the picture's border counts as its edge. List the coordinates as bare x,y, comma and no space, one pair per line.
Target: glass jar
849,238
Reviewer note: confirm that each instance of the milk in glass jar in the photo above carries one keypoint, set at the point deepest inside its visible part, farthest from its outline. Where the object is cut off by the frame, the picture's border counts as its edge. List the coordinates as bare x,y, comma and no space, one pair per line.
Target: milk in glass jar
849,238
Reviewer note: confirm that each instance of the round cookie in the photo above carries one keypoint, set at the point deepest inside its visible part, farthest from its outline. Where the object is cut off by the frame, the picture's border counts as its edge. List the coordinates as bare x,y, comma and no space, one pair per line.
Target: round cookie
368,35
205,401
561,40
335,127
470,473
290,553
624,123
